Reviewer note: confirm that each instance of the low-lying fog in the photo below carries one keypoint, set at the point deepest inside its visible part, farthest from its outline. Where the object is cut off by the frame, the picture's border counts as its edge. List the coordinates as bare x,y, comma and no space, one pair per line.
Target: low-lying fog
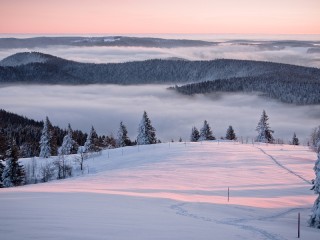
263,48
173,115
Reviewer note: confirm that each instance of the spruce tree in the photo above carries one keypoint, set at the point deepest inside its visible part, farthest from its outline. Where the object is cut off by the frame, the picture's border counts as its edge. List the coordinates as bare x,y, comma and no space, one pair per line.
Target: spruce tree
315,139
314,220
146,132
295,140
92,142
3,145
264,131
195,135
2,167
45,148
206,132
230,135
67,143
13,174
123,139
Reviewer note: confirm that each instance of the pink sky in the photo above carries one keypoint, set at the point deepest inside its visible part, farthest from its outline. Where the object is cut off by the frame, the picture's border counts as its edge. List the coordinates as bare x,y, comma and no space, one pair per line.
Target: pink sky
160,16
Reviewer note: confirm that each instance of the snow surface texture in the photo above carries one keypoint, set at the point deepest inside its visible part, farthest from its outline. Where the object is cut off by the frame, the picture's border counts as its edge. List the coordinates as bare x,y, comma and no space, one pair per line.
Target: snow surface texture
171,191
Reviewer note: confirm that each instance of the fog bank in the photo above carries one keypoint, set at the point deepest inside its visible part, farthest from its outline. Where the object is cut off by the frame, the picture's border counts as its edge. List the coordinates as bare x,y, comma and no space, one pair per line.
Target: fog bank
298,52
173,115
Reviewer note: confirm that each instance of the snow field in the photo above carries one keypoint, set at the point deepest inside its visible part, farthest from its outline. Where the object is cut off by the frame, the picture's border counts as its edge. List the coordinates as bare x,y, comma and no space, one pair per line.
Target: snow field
170,191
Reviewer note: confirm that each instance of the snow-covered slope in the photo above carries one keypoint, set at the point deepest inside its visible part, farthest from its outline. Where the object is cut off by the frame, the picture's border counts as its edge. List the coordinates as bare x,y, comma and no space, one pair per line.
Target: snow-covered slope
24,58
170,191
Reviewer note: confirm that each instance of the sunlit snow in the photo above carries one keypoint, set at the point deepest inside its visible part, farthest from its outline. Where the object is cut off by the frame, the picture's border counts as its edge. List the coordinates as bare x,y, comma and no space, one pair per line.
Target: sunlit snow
170,191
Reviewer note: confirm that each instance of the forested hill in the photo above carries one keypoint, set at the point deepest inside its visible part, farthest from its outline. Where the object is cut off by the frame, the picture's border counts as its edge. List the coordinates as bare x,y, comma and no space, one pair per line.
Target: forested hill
281,86
46,69
27,132
108,41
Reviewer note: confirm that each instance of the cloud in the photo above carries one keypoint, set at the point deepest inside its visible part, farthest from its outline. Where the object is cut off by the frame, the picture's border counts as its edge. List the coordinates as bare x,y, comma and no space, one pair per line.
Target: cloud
173,115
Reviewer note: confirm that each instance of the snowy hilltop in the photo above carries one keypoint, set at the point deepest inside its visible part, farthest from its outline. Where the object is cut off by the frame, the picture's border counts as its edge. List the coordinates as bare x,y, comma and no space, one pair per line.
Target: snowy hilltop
168,191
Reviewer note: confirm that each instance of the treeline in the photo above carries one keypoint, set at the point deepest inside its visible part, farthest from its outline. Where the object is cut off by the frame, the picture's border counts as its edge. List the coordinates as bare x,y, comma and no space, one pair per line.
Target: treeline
41,138
280,86
52,141
26,134
54,70
12,173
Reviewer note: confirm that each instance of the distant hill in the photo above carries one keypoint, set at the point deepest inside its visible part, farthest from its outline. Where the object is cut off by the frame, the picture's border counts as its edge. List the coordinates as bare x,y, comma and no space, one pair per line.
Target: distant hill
25,58
119,41
283,87
39,68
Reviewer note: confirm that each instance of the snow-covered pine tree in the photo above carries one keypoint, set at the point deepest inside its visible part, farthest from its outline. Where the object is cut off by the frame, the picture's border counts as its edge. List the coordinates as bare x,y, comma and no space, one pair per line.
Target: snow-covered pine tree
146,132
264,131
206,132
3,144
91,144
45,149
315,139
230,135
2,167
123,139
195,135
314,220
67,143
110,142
295,140
13,174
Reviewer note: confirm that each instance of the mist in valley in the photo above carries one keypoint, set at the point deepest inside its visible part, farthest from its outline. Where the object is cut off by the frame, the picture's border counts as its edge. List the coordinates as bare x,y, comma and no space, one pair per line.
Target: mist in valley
273,48
173,115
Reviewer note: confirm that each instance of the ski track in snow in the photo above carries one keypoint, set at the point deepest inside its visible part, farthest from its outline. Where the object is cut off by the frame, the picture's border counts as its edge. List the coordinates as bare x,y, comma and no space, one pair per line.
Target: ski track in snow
240,223
236,223
284,167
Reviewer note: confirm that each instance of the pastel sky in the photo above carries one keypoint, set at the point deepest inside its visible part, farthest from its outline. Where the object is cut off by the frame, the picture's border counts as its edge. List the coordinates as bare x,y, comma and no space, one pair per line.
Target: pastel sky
160,16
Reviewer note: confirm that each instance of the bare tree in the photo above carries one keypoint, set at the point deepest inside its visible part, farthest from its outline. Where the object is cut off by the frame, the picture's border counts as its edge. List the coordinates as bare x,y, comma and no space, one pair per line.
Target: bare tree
47,171
82,156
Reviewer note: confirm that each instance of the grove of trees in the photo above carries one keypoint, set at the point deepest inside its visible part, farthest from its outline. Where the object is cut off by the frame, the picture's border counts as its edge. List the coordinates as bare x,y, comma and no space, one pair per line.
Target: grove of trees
21,137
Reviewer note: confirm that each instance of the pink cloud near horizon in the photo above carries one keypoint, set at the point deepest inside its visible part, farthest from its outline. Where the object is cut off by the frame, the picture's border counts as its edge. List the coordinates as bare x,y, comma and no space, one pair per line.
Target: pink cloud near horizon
165,16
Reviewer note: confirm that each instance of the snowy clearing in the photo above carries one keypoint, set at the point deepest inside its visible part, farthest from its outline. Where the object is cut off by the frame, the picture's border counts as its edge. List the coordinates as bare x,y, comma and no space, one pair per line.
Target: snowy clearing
171,191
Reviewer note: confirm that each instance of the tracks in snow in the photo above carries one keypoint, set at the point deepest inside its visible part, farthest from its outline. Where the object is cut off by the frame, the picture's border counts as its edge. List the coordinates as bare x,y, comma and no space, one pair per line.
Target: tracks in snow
242,223
239,223
284,167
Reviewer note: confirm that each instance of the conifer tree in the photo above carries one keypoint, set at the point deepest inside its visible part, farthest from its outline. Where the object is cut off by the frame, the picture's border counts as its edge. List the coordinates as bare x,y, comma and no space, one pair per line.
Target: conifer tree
230,135
92,142
206,132
264,131
195,135
67,143
123,139
13,174
45,148
3,145
146,132
110,141
295,140
315,139
314,220
2,167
